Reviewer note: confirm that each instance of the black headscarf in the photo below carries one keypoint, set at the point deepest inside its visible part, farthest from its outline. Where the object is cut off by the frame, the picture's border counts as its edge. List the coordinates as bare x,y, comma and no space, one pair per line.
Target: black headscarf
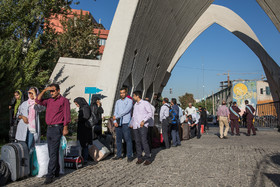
81,101
83,107
94,100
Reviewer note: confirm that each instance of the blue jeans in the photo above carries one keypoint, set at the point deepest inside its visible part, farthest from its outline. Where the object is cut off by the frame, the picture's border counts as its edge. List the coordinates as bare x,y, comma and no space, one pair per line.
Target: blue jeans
175,135
124,132
30,140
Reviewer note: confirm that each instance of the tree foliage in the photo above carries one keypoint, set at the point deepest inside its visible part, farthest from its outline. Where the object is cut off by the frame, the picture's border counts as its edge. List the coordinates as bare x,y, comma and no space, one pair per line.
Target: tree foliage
30,48
186,99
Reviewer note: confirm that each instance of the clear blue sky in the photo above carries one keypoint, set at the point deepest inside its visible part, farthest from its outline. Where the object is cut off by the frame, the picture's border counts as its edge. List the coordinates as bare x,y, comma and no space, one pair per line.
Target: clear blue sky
216,48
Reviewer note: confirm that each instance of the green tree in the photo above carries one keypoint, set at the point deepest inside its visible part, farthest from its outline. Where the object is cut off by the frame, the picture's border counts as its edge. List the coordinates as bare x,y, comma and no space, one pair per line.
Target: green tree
83,43
186,99
25,56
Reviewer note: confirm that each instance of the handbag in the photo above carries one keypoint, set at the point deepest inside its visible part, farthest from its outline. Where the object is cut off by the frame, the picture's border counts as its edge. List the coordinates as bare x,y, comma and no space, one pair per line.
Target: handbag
92,121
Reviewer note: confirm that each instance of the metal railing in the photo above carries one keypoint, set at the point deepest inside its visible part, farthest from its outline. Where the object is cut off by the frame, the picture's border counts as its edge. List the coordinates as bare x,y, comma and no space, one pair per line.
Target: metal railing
268,115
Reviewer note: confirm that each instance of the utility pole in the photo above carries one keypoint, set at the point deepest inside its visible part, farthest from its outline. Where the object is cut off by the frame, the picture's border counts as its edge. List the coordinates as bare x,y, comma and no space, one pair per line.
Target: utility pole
203,83
213,103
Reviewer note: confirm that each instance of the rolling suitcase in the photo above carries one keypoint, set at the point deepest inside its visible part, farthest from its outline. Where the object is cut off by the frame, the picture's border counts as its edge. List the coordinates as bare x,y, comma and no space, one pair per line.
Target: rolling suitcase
4,173
185,131
16,156
73,149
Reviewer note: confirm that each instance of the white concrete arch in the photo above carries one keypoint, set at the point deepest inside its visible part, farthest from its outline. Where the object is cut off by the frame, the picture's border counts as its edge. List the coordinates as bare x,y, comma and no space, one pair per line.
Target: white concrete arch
237,26
214,14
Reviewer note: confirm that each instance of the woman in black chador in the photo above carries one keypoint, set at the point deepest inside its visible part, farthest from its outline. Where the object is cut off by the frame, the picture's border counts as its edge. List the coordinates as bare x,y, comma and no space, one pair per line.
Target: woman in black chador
97,109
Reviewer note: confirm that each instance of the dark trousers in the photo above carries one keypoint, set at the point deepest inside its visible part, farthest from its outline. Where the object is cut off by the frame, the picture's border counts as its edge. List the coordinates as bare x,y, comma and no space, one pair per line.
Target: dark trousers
141,141
165,132
175,134
124,132
198,126
193,131
54,135
234,124
250,126
150,137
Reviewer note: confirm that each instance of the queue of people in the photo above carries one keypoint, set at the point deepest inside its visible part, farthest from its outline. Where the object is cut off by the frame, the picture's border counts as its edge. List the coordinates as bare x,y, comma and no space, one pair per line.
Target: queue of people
133,119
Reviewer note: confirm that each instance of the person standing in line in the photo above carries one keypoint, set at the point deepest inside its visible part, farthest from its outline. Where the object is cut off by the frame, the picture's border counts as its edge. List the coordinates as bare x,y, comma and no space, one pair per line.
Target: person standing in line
249,112
151,125
181,120
16,101
202,120
163,118
96,108
142,113
84,133
234,117
175,127
190,110
122,118
57,118
223,118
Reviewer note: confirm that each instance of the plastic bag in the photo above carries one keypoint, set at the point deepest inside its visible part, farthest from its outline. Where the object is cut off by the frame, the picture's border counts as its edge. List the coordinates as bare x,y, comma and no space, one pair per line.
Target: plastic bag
43,158
63,145
34,166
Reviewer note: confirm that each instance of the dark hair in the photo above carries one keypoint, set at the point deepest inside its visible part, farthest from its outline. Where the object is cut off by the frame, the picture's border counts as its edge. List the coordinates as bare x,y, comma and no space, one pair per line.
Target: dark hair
138,93
17,92
246,102
189,116
147,99
55,85
174,101
124,88
234,103
166,100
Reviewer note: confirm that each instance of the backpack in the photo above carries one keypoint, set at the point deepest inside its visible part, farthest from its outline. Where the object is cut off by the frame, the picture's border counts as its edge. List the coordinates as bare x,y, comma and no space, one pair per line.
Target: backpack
92,121
172,119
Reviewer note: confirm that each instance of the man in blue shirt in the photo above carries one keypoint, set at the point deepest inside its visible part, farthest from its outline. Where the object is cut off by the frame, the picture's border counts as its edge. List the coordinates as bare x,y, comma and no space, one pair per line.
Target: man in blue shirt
122,117
175,127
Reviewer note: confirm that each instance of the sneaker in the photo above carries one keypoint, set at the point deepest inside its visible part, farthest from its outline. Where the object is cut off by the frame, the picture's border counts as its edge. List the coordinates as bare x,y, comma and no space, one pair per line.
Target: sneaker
139,161
147,162
247,134
254,134
129,159
117,158
49,180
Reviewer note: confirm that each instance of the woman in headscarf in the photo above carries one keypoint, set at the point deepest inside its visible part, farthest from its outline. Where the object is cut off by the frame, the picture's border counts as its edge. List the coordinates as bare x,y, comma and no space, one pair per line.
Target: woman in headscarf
97,109
84,133
16,101
29,125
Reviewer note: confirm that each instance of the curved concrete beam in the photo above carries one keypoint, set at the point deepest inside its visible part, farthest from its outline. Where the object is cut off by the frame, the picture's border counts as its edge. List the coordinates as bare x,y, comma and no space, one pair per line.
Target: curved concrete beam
237,26
214,14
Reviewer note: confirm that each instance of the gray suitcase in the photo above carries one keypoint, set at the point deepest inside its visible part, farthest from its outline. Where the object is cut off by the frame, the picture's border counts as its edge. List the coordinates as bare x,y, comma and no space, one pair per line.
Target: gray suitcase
73,149
16,156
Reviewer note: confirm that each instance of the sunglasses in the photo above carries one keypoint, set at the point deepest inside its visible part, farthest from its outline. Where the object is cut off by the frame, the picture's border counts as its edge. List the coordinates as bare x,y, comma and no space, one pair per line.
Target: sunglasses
30,93
52,91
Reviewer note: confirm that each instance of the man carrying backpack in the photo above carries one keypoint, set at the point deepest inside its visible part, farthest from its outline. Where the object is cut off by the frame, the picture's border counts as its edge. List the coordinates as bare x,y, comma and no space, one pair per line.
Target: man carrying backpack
174,115
163,117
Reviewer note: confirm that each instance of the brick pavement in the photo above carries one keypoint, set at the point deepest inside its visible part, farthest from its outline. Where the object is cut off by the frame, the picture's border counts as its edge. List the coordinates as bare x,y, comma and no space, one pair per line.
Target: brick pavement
209,161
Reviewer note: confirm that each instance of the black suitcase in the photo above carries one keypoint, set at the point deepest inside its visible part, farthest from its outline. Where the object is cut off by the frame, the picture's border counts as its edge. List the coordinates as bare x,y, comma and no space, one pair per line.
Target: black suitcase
16,156
4,173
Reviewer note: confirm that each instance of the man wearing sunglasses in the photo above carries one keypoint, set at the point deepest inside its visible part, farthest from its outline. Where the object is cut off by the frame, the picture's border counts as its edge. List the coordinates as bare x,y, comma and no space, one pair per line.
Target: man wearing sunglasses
57,118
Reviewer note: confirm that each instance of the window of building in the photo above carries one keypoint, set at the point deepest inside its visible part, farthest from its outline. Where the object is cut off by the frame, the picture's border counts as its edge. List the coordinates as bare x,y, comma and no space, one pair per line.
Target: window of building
102,41
267,90
261,91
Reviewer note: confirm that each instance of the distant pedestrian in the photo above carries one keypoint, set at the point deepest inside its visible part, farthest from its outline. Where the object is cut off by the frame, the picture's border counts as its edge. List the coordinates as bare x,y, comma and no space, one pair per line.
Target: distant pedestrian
234,117
122,118
151,124
142,112
249,112
193,121
190,110
223,118
57,118
84,132
163,118
202,121
176,141
181,120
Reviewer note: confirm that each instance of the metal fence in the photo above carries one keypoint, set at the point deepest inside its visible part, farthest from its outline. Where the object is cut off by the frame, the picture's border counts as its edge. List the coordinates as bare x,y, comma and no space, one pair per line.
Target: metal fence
267,115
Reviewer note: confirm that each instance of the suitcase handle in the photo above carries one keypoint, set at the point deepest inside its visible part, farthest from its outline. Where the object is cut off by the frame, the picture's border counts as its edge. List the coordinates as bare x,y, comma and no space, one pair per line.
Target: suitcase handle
23,162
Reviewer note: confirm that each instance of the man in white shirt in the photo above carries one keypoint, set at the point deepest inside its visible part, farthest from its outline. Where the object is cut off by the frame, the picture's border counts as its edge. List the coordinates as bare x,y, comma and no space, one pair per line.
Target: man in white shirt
190,110
151,124
163,118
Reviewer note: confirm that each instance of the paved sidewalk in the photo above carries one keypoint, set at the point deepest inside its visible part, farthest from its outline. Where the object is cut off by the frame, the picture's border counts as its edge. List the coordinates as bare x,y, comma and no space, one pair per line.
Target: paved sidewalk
209,161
